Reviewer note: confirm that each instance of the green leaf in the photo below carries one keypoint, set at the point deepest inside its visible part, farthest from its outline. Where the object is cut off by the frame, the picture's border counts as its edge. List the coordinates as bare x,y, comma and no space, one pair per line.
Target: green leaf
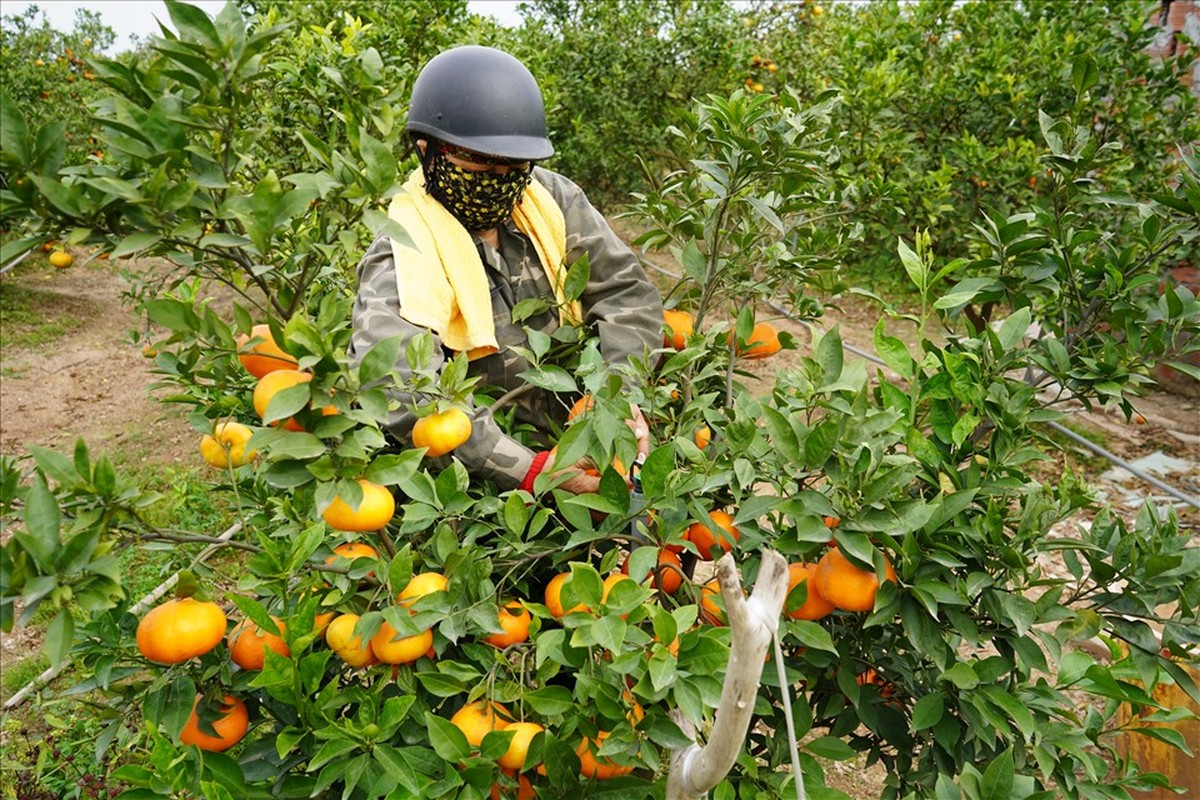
577,279
447,740
552,378
1013,329
997,782
136,243
961,675
380,360
831,747
550,700
928,711
333,749
60,635
917,271
14,136
43,521
893,352
1084,74
963,292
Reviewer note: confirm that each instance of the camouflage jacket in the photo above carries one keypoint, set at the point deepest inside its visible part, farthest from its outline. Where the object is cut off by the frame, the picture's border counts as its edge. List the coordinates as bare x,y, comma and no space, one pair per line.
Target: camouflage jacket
619,304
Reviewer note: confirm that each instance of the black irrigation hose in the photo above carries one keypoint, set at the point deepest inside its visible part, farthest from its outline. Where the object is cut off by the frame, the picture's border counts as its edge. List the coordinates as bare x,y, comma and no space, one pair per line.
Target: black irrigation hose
1083,441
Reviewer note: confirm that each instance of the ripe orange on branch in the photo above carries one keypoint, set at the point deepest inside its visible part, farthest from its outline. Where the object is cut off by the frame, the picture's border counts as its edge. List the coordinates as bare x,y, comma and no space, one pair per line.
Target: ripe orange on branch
391,649
479,718
264,356
518,748
442,432
339,635
374,511
229,727
763,341
514,619
61,259
679,327
705,540
815,606
226,445
847,586
271,384
248,644
554,597
180,629
667,575
590,766
422,584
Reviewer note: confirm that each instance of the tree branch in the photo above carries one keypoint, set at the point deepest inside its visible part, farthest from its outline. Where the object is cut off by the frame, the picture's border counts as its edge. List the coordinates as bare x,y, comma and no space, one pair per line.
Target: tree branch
753,622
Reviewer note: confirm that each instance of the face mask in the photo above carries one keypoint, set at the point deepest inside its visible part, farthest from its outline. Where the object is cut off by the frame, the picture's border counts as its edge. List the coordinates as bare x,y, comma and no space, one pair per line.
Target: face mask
479,200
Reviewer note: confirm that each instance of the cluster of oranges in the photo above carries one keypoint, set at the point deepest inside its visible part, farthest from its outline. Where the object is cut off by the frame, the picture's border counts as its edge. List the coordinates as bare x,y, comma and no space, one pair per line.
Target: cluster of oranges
185,628
757,64
679,326
835,582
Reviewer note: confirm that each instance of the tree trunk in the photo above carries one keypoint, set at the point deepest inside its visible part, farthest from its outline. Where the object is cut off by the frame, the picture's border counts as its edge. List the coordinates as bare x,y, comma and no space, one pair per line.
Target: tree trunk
753,622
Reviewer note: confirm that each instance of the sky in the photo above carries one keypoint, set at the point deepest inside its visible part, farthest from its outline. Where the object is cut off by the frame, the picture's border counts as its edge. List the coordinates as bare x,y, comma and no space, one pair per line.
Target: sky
137,17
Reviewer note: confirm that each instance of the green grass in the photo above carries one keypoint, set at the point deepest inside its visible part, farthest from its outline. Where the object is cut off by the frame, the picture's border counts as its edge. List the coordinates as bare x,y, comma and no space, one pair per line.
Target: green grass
19,674
33,317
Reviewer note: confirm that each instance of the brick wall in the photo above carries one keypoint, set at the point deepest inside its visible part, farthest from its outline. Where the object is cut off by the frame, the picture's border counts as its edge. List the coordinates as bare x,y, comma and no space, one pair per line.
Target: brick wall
1179,20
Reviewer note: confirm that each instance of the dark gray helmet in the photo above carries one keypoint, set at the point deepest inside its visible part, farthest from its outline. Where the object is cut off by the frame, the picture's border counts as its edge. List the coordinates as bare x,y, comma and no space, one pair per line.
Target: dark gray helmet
482,99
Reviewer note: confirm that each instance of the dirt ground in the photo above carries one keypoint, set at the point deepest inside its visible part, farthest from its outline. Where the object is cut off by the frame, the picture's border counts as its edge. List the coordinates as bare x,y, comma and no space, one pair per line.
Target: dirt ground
92,382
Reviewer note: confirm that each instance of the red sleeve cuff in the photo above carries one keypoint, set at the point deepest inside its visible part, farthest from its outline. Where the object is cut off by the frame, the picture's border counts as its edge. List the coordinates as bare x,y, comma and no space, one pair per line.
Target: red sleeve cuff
535,469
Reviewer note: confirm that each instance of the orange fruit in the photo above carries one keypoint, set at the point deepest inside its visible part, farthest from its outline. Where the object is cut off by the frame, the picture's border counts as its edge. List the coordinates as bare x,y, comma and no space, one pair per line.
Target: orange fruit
227,445
845,585
61,259
180,629
422,584
678,325
441,433
405,650
831,522
375,511
514,618
711,610
702,436
581,406
248,644
762,342
518,748
229,727
599,768
667,576
265,356
352,550
814,606
272,384
704,539
478,719
339,635
554,599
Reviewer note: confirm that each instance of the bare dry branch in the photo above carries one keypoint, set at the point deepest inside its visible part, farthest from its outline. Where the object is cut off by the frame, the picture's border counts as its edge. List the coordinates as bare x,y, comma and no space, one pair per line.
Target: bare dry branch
753,621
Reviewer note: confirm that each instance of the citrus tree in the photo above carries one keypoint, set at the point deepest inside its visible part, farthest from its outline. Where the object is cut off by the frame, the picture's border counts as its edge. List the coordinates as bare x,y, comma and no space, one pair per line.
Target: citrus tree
47,72
394,628
941,110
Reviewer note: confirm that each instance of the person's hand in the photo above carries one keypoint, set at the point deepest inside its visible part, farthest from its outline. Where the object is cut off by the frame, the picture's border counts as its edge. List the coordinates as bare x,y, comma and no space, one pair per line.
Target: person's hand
577,481
641,430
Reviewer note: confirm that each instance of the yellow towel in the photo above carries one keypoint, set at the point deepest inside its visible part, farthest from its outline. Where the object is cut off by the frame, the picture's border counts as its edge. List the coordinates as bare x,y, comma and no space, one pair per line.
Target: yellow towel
442,283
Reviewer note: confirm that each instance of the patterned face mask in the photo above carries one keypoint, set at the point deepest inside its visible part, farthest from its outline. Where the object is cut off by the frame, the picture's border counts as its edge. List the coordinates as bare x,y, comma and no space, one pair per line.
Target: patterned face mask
479,200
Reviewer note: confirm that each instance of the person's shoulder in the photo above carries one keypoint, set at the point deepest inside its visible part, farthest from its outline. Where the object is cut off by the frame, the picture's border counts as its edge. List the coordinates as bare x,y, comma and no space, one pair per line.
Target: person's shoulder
565,191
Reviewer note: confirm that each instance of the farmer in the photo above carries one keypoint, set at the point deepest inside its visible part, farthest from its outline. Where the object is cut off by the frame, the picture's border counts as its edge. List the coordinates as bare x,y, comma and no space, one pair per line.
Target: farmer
490,229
